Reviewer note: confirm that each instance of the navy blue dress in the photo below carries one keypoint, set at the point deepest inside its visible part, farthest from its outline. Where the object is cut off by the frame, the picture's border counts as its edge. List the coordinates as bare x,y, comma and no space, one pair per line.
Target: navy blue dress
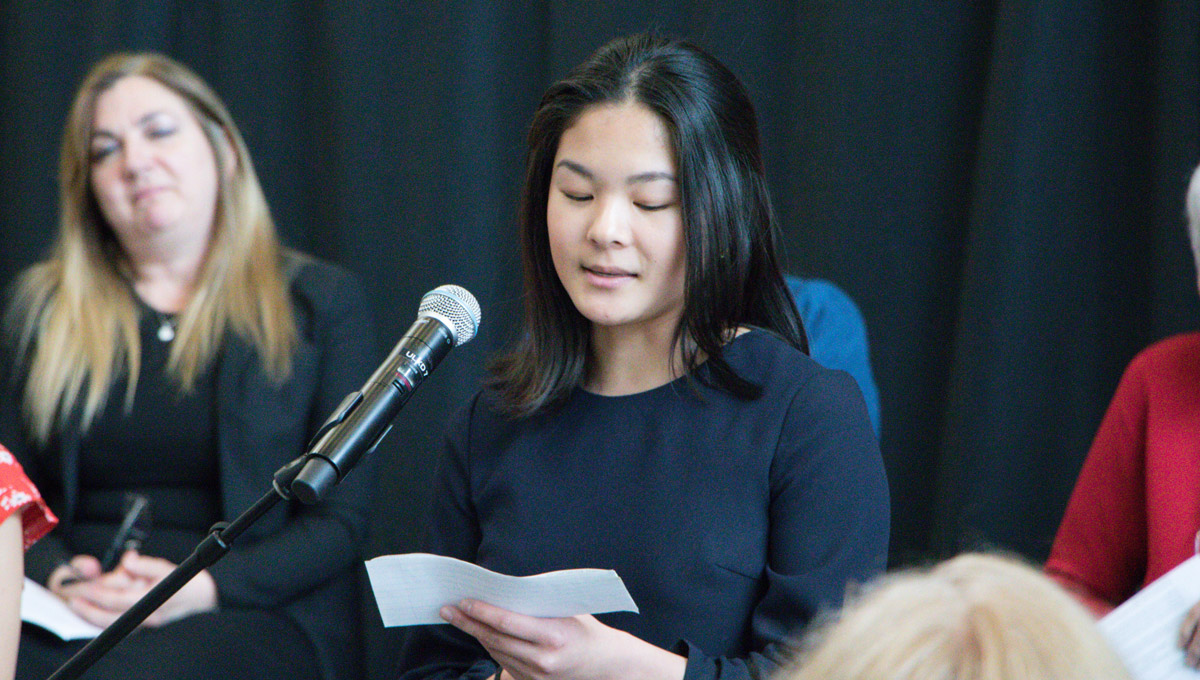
731,522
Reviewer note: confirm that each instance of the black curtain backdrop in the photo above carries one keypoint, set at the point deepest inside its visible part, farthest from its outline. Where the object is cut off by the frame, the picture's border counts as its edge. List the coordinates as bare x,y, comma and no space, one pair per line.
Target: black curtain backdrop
999,185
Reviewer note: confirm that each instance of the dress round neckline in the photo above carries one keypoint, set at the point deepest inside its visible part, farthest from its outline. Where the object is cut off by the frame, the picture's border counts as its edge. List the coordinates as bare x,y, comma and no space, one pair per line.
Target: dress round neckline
673,384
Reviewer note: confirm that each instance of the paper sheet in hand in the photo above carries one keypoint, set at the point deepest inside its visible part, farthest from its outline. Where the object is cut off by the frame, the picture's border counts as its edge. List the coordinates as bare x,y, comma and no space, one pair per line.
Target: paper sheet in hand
43,609
1144,629
410,589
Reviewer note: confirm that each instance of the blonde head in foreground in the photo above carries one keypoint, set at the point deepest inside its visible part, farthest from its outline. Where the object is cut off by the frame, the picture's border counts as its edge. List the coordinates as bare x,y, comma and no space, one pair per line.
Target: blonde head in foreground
974,617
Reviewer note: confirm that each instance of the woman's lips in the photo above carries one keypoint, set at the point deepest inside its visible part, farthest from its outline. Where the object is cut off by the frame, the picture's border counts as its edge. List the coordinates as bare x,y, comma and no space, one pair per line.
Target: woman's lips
145,193
607,277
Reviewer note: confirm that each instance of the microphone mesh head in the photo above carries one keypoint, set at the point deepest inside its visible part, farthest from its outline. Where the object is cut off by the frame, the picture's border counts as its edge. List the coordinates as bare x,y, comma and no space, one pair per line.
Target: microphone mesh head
455,305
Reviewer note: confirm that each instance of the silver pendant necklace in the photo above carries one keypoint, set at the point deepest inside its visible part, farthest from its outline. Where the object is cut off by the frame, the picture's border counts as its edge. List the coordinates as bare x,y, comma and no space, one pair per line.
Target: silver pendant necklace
166,327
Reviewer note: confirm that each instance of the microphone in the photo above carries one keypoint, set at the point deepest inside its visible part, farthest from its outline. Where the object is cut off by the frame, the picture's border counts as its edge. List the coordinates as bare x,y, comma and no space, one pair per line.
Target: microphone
447,317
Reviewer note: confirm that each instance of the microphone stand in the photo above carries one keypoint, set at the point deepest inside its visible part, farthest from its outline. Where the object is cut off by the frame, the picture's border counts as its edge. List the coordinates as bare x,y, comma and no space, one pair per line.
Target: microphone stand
218,542
419,351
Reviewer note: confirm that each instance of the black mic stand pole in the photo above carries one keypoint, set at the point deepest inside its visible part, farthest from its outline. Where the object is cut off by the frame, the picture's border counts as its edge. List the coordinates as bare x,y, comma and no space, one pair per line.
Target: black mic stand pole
220,538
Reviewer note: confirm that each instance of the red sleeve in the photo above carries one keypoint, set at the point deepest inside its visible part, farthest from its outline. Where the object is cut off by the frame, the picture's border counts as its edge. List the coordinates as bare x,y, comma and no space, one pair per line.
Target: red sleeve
18,494
1099,553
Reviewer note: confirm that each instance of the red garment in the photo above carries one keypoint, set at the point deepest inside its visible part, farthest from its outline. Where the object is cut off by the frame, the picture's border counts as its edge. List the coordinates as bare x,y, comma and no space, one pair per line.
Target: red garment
1135,510
18,493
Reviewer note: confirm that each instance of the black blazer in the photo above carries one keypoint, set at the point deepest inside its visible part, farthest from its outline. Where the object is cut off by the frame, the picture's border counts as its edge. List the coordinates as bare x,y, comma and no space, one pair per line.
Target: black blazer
303,561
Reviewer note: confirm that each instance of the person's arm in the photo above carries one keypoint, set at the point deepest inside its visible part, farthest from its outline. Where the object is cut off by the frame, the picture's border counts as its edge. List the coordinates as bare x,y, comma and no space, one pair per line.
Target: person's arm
1099,552
50,552
26,518
12,576
324,540
439,651
830,520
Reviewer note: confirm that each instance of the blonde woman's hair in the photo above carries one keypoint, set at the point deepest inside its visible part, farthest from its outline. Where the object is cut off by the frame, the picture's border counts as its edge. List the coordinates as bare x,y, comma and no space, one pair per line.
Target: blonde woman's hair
75,314
975,617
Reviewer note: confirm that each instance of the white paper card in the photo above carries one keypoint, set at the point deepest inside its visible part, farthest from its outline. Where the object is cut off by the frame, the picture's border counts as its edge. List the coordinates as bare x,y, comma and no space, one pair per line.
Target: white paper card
410,589
1145,628
42,608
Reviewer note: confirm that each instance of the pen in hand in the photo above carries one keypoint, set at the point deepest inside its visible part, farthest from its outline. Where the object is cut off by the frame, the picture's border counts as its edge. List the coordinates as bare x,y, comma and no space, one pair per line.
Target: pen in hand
75,576
130,534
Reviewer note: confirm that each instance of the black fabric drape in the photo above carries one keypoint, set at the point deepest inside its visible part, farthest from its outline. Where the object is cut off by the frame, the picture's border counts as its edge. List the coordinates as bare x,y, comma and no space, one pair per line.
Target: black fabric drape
999,186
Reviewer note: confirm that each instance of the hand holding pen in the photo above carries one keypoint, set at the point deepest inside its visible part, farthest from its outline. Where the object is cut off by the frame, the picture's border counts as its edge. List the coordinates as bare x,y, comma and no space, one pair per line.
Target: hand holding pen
81,569
134,528
101,598
101,590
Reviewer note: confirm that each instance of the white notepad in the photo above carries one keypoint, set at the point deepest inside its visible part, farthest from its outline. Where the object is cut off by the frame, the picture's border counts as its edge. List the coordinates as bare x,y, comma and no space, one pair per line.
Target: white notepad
1145,628
410,589
42,608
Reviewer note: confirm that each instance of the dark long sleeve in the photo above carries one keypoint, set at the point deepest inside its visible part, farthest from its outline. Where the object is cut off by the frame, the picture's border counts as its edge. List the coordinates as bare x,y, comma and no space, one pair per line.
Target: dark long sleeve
829,523
324,540
443,651
731,522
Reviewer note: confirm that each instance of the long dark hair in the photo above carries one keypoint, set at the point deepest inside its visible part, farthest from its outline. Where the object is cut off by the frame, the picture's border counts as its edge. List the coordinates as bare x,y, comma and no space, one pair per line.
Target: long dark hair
733,276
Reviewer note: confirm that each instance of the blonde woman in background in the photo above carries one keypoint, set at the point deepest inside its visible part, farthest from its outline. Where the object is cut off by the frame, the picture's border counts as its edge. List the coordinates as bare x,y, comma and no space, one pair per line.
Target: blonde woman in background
170,347
976,617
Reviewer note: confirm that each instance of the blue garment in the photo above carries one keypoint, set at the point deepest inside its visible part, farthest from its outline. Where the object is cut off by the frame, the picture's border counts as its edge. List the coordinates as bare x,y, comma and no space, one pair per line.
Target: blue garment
732,522
837,334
